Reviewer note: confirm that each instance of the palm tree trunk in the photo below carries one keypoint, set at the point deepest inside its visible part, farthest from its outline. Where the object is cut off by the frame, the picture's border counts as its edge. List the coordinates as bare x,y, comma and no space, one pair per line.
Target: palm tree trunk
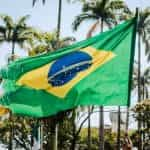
59,19
139,87
41,134
89,128
101,128
118,134
73,144
146,93
127,119
50,126
58,35
56,137
143,88
55,128
10,146
101,116
13,51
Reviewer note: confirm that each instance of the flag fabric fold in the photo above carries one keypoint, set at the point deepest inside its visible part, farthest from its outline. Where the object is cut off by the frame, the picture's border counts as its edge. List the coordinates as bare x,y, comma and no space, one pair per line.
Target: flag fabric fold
95,71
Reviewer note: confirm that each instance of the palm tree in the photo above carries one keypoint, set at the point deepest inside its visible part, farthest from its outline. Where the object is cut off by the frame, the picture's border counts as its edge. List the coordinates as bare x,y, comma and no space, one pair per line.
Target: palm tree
145,82
106,12
15,33
141,82
143,34
143,30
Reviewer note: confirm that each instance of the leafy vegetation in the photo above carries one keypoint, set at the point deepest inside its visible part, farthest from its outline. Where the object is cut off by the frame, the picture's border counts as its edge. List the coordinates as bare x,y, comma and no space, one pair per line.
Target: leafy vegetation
141,113
109,139
47,42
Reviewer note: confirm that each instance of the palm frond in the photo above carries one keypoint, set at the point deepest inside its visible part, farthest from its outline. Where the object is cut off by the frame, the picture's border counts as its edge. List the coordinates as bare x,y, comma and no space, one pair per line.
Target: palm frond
147,47
119,5
68,39
82,17
144,29
87,6
2,29
104,3
7,20
147,72
34,2
120,10
143,16
148,57
3,32
25,35
146,93
22,20
2,39
65,42
110,19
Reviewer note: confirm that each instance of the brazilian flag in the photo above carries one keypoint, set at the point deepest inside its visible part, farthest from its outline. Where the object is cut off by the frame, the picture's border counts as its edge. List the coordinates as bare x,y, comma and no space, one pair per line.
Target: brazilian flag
96,71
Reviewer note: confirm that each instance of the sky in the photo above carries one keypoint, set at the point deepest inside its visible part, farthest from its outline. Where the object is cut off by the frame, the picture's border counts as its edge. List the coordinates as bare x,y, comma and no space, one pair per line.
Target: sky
45,18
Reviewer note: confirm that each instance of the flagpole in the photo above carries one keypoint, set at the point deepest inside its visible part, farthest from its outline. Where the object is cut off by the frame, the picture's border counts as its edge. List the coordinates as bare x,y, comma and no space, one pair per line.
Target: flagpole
139,81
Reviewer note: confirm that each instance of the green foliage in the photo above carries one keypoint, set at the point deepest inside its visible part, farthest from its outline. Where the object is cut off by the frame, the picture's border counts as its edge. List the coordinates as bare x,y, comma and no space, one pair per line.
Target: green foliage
66,129
109,138
21,130
142,113
135,137
47,42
